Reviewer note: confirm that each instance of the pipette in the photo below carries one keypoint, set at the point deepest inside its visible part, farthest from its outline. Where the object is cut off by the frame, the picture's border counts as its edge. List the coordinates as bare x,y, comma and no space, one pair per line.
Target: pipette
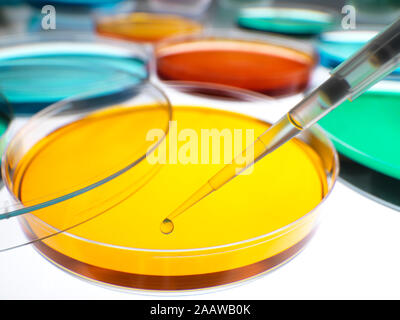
373,62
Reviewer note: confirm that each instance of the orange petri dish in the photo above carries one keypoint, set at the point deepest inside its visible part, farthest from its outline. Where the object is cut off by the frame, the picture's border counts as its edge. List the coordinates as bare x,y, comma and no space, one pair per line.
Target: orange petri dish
259,66
247,228
146,27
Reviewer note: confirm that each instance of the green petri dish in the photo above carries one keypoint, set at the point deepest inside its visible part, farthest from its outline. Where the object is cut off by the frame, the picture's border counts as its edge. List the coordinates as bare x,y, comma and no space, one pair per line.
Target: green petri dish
367,130
294,21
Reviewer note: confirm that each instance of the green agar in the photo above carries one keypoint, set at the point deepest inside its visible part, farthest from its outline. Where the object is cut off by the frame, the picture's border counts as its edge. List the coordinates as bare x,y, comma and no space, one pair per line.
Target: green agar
367,131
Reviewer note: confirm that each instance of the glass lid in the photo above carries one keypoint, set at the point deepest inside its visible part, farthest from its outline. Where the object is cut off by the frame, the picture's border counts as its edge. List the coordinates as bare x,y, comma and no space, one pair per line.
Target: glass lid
79,157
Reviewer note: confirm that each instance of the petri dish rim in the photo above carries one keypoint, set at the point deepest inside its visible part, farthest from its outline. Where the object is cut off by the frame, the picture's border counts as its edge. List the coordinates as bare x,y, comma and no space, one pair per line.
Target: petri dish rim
26,209
21,39
315,131
52,43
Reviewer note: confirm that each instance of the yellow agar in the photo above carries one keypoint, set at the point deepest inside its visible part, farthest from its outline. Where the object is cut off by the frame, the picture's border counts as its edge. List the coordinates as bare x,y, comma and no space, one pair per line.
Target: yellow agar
282,189
262,146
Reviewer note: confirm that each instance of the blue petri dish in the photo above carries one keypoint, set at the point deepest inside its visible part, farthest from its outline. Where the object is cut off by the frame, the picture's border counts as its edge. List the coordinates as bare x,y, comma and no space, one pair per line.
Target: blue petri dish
336,46
40,69
293,21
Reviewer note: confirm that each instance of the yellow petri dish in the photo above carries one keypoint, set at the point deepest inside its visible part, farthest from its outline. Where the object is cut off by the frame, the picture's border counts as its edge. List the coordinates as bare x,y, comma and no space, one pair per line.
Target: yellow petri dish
252,225
146,27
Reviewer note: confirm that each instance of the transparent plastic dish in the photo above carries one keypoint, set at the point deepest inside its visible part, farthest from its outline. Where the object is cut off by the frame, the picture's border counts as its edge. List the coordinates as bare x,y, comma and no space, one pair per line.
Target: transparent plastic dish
224,239
79,164
37,70
271,65
146,27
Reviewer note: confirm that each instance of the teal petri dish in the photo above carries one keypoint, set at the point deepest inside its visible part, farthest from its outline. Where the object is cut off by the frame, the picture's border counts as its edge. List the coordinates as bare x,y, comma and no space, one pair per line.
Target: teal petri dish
336,46
38,70
293,21
367,130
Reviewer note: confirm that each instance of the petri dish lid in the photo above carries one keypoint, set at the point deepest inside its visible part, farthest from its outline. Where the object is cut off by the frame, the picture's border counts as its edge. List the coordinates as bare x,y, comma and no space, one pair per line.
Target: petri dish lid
105,163
37,70
366,130
294,21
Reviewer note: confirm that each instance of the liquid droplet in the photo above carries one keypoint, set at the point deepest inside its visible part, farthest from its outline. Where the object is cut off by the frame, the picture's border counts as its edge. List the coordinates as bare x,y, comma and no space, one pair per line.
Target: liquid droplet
167,226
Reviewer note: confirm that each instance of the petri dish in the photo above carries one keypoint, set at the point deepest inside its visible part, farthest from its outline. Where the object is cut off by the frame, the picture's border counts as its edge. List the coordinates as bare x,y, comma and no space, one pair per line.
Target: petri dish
336,46
109,166
268,65
146,27
364,130
40,69
293,21
241,231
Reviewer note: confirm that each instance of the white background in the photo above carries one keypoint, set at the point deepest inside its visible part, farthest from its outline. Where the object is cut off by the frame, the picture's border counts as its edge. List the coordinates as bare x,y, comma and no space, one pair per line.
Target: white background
354,254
